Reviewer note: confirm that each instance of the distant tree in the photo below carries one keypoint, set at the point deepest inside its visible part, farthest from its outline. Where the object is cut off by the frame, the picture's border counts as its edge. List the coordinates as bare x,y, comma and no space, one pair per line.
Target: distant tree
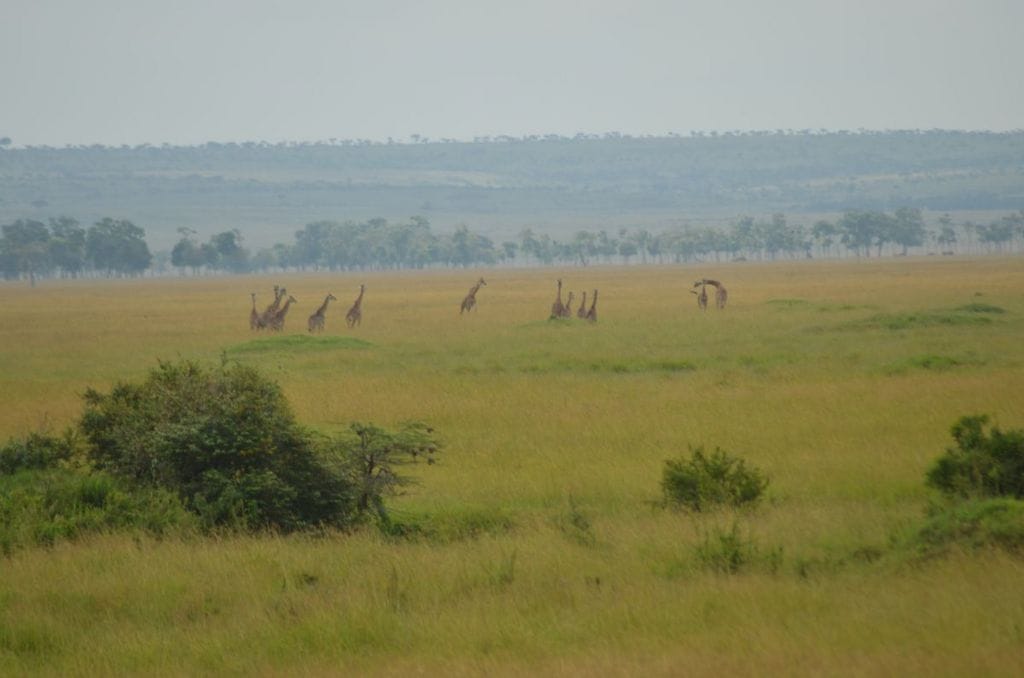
67,246
908,228
946,237
583,246
186,252
25,244
118,246
230,253
824,233
860,230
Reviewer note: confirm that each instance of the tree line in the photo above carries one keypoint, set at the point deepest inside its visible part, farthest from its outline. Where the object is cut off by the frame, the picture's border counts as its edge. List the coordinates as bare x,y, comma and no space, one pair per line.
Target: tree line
63,248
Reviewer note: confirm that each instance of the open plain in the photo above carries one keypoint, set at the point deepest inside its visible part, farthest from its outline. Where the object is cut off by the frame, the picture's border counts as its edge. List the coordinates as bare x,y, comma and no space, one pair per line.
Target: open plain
543,547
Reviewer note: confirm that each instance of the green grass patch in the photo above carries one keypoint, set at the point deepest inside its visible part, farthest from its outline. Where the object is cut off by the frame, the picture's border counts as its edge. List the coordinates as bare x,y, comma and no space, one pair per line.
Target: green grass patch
979,307
787,304
933,363
972,525
921,319
296,343
666,366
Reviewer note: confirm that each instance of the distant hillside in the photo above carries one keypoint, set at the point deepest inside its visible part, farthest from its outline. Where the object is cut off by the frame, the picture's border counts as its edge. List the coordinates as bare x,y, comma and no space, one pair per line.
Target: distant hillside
499,186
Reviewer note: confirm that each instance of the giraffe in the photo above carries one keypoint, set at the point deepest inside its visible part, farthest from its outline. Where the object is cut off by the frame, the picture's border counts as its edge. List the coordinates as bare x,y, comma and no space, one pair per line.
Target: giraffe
254,315
567,309
355,314
557,308
469,302
592,313
269,311
277,321
316,321
702,296
721,295
581,313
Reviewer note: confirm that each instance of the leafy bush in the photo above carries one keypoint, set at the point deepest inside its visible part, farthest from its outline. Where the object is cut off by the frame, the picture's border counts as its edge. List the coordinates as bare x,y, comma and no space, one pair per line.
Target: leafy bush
975,524
37,451
703,481
223,439
40,507
982,464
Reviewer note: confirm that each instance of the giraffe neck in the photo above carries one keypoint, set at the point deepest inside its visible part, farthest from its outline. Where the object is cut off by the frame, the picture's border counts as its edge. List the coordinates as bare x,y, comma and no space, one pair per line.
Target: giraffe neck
323,306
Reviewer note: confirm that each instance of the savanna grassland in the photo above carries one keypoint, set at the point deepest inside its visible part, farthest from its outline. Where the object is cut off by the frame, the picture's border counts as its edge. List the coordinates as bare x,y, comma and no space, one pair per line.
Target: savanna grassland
544,549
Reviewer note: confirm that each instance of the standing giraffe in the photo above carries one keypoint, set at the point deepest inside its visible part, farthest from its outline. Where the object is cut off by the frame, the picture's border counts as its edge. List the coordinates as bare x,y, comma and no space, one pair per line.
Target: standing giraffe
254,315
592,313
469,302
355,314
567,309
277,321
581,313
702,296
316,321
272,309
557,308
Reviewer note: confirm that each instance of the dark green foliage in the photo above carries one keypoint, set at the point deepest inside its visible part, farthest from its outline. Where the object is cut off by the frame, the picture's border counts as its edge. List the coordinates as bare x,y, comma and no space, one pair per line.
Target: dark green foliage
36,451
983,464
224,440
985,523
53,504
704,481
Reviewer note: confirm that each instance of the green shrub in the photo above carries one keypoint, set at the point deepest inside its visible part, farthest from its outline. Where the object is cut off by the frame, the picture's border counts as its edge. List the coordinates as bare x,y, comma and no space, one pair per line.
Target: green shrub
704,481
983,523
730,552
983,464
37,451
41,507
224,440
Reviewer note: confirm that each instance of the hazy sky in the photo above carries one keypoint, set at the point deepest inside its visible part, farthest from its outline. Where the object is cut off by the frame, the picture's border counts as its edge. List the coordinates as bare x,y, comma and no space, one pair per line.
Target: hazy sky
187,72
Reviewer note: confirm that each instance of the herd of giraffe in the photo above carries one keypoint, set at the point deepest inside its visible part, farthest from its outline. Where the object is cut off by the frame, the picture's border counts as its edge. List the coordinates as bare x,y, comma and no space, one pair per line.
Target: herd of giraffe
560,310
702,297
273,316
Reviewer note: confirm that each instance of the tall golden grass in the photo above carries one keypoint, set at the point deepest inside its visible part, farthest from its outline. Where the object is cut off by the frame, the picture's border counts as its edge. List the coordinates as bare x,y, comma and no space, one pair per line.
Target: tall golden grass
840,380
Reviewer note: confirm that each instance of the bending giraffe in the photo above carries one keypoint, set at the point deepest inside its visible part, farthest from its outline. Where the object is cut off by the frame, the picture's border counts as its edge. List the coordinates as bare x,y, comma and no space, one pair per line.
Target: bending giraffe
581,312
469,301
316,321
558,308
592,313
355,314
721,295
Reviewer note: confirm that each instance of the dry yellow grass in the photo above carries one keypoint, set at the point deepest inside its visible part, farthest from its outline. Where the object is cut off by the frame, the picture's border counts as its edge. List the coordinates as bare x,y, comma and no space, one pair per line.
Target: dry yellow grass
840,380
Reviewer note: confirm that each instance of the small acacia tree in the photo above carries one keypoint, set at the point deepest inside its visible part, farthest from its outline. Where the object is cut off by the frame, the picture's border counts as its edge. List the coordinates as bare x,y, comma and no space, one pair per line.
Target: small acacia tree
370,457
